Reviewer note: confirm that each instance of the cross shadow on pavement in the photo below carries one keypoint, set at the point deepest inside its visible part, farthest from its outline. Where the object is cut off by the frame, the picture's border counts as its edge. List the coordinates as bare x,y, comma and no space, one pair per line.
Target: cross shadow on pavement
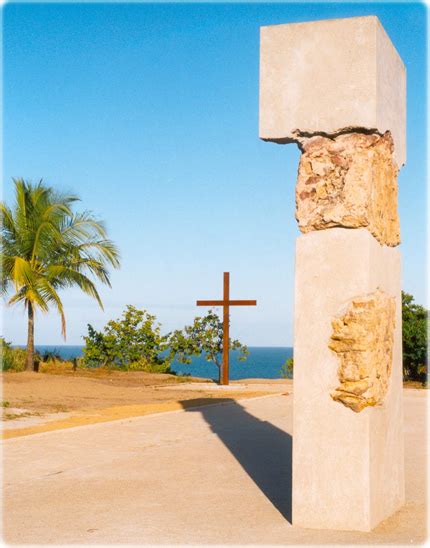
263,450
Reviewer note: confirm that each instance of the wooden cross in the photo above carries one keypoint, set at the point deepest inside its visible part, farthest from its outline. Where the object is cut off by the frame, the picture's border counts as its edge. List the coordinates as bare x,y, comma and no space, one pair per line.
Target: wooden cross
226,303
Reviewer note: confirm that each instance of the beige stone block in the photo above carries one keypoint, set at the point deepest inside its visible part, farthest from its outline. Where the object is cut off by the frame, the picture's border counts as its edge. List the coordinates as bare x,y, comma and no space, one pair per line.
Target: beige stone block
328,76
348,467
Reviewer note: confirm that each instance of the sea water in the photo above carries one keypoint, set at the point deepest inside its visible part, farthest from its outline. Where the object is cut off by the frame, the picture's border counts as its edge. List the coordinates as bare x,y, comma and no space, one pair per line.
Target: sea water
262,362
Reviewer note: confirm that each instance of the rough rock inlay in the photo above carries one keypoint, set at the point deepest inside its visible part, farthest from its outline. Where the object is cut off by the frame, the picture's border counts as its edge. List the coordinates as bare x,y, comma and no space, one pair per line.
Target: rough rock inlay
349,181
363,340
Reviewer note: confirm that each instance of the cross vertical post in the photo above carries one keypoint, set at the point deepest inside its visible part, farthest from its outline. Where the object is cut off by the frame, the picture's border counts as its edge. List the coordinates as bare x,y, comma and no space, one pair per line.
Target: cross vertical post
226,329
226,303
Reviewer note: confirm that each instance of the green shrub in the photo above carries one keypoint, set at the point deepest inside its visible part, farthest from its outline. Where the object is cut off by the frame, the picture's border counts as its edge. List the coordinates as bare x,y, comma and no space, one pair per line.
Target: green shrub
12,359
287,369
414,338
51,356
132,342
150,367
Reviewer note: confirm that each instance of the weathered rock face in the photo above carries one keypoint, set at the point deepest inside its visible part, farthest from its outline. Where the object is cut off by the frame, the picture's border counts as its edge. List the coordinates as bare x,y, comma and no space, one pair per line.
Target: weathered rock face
349,181
363,340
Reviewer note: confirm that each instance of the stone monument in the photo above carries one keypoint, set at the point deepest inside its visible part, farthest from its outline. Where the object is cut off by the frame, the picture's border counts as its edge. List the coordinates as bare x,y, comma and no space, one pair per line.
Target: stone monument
337,88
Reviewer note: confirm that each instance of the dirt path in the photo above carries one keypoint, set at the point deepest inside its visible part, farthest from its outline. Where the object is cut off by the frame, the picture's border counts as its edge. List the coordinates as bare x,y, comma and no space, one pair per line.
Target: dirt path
41,402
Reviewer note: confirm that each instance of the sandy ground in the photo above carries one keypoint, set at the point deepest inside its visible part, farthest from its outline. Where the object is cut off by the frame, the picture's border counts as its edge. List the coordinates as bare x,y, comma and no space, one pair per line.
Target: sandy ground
40,402
217,474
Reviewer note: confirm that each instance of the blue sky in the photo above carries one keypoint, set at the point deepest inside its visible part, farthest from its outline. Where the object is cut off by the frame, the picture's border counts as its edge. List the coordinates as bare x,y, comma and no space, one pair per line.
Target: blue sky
150,113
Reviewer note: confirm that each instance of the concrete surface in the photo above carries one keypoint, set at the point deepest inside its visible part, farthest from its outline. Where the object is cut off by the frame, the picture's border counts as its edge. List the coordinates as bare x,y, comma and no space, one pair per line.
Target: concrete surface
326,76
356,478
216,475
23,420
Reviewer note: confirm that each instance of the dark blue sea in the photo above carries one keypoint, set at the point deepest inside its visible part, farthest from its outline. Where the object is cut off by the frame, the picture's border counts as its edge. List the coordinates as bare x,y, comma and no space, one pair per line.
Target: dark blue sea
262,362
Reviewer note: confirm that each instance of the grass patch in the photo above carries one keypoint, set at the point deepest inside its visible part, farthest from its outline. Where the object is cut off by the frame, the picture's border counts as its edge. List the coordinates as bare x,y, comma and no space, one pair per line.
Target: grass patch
12,416
59,408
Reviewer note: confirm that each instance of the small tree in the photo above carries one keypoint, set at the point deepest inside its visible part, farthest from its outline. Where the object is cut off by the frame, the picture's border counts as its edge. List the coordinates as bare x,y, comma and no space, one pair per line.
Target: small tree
287,368
132,342
204,336
414,335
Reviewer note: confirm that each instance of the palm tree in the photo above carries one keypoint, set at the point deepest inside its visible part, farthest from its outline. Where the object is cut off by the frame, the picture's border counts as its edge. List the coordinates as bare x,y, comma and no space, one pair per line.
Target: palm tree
45,247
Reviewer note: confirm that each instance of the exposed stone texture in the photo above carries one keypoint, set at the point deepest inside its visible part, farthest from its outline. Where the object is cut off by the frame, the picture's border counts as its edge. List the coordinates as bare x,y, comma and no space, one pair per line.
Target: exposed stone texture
349,181
363,340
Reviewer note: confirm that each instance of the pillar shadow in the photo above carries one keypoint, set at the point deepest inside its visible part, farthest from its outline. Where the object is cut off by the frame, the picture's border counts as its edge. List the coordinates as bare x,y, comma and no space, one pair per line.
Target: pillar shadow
263,450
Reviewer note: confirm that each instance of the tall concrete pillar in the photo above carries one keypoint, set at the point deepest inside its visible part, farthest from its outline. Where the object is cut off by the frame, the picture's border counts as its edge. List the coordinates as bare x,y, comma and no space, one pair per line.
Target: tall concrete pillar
337,88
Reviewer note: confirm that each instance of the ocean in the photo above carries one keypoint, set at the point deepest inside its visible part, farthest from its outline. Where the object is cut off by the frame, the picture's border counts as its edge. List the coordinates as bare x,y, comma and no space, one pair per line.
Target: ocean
262,362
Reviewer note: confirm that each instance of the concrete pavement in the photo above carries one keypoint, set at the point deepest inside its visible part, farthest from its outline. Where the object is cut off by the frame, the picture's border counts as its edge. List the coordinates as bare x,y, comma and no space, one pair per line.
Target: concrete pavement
217,474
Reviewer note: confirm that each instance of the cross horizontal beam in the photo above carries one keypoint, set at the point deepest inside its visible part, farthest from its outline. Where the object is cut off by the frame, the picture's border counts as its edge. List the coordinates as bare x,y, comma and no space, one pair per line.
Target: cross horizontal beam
226,303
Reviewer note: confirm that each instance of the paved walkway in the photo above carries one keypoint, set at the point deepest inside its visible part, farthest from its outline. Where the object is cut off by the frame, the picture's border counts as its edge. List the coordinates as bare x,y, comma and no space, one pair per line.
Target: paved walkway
212,475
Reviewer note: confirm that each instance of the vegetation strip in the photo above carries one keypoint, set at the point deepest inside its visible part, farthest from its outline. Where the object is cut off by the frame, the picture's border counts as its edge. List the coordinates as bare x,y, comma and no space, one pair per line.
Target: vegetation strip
109,414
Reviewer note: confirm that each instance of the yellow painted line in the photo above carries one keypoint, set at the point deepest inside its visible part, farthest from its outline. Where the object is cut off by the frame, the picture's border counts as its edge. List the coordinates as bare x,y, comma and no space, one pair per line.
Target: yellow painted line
109,414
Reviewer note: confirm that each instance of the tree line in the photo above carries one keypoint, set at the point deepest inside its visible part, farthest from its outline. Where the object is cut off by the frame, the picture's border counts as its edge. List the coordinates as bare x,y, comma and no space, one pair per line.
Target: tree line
135,342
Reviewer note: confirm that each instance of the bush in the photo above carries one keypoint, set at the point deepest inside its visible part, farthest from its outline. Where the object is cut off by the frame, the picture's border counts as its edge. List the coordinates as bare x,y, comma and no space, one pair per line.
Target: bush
144,365
287,369
133,342
51,356
12,359
414,338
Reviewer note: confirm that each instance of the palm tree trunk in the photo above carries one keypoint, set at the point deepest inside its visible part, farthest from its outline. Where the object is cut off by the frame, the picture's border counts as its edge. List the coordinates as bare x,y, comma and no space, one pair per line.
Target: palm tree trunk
30,339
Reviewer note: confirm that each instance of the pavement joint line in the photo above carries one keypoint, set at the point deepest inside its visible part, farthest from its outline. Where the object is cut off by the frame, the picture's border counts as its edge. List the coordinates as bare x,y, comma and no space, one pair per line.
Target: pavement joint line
121,420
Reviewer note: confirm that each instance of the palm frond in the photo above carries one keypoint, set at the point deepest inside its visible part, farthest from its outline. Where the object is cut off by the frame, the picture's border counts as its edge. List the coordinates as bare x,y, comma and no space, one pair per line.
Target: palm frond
82,226
30,294
106,251
50,295
68,277
22,273
6,219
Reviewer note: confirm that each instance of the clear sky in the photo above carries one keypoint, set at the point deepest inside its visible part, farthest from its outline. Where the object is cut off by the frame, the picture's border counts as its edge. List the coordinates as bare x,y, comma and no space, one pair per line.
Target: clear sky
150,113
